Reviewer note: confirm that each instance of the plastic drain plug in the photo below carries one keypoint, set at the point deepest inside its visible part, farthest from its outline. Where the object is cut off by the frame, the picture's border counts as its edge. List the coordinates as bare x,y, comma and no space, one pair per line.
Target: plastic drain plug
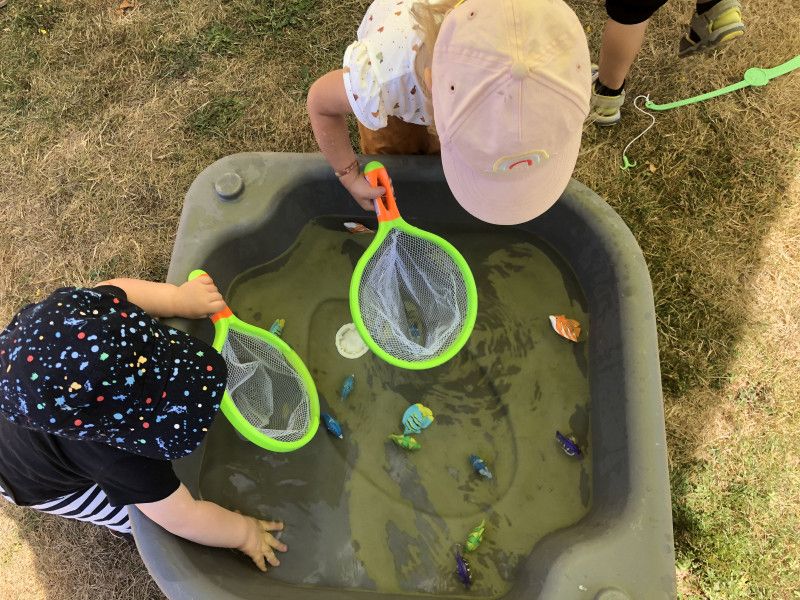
349,342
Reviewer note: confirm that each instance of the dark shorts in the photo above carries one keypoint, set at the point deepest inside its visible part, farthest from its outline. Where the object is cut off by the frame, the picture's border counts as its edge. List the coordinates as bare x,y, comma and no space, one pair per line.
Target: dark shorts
632,12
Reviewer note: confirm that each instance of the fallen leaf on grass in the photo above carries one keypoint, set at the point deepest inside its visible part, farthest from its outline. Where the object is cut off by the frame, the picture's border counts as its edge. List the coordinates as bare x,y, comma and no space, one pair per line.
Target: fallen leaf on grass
124,7
652,167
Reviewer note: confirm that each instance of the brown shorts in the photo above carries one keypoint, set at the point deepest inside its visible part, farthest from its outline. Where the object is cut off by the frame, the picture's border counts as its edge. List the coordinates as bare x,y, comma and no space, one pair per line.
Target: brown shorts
398,137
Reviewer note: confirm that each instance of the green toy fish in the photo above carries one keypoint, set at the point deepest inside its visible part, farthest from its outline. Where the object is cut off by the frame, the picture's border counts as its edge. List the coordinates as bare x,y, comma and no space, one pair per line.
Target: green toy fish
405,441
475,537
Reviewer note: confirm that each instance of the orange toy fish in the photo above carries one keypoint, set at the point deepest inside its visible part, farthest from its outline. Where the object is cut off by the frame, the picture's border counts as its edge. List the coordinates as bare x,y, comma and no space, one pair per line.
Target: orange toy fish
566,328
353,227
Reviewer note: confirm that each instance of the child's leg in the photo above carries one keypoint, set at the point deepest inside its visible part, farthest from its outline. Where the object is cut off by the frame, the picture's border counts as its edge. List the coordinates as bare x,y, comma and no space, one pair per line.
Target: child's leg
90,505
398,137
623,35
618,49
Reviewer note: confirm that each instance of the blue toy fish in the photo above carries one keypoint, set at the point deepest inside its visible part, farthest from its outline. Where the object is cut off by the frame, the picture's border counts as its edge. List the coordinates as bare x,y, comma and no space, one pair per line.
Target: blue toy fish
414,331
332,425
569,446
416,418
277,327
347,386
480,466
462,569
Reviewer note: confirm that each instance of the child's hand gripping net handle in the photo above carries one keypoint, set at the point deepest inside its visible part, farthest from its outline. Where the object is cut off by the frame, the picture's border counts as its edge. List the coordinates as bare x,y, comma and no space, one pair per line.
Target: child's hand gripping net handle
225,312
385,206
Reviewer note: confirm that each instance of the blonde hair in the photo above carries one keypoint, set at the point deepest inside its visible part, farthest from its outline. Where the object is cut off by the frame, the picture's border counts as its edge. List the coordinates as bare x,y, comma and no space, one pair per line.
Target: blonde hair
429,15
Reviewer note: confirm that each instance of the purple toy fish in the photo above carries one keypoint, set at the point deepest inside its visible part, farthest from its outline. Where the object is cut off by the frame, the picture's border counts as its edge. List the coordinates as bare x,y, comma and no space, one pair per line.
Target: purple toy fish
570,447
462,569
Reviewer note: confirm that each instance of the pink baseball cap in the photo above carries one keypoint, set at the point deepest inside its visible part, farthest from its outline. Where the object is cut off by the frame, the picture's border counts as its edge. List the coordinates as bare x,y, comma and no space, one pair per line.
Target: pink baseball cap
511,89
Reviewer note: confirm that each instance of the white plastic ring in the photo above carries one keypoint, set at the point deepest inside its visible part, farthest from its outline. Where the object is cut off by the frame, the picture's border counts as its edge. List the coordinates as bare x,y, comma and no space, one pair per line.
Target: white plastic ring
349,342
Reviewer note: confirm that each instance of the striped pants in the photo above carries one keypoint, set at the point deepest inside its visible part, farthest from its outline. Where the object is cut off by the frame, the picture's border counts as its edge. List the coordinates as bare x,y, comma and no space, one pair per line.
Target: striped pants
86,505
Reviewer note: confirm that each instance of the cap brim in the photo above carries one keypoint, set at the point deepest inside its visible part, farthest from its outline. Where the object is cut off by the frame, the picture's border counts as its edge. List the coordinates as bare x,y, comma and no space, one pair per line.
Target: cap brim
511,197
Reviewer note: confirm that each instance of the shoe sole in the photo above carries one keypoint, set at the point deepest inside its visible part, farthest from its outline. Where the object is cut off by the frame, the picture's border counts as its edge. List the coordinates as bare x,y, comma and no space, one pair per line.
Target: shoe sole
703,48
607,123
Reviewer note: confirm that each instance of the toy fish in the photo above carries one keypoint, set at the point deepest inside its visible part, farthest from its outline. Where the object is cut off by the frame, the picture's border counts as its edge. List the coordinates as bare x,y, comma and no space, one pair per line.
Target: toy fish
568,445
277,327
480,466
405,441
332,425
566,328
475,538
462,570
416,418
357,228
347,386
413,329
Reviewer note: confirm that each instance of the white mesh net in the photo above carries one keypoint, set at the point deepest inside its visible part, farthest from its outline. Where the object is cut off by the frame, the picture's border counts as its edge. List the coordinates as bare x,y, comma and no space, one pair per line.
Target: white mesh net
266,389
413,298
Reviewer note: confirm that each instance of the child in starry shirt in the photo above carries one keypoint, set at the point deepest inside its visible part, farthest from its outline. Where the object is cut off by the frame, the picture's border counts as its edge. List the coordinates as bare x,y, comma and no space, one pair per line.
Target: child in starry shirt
96,399
500,88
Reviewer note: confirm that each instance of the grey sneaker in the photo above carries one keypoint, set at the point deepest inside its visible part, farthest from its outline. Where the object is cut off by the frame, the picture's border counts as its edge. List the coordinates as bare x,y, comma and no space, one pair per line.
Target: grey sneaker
604,110
720,24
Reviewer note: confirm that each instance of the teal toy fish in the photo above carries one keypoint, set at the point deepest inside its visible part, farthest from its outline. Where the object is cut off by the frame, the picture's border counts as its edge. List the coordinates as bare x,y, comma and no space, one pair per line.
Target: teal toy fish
416,418
332,425
277,327
347,386
475,537
405,441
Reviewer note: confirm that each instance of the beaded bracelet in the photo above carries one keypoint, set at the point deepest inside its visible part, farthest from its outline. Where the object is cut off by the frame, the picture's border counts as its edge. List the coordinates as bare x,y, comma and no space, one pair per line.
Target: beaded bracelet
350,167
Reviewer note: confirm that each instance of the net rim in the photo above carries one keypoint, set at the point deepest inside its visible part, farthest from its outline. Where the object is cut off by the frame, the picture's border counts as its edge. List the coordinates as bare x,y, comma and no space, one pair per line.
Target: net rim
384,229
228,407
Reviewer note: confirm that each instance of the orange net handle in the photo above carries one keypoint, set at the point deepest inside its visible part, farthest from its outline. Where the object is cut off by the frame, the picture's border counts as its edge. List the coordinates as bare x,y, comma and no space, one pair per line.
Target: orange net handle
385,206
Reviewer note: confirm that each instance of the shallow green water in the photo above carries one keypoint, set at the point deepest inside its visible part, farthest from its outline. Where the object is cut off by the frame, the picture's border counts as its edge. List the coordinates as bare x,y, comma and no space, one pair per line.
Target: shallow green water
362,513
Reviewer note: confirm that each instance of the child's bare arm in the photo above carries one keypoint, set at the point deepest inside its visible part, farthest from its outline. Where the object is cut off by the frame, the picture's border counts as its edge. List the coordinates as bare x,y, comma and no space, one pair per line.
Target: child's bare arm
210,524
193,300
327,108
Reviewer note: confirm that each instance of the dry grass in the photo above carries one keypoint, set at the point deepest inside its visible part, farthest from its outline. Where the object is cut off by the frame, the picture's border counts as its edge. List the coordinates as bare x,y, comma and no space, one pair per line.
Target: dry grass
106,119
46,557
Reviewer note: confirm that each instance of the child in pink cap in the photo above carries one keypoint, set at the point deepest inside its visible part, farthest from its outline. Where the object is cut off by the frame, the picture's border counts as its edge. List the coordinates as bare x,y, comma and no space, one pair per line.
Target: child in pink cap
500,87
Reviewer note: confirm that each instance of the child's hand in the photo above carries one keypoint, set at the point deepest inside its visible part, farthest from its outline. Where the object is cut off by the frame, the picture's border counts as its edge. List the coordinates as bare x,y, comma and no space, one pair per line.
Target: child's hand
361,190
198,298
260,545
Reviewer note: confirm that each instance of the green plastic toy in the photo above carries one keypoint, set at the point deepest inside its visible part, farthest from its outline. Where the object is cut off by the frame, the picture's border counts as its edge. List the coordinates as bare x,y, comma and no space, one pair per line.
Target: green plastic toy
754,76
405,441
475,537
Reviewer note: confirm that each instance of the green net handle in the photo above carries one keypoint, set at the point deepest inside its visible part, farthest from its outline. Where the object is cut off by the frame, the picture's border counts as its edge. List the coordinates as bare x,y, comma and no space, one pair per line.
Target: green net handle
223,322
754,76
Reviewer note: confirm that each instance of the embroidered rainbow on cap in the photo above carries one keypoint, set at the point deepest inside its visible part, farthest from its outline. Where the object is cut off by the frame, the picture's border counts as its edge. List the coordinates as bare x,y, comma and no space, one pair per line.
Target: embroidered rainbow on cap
526,159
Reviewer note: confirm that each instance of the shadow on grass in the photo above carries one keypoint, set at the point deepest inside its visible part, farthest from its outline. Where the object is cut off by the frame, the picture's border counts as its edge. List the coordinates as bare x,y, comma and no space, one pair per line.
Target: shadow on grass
711,180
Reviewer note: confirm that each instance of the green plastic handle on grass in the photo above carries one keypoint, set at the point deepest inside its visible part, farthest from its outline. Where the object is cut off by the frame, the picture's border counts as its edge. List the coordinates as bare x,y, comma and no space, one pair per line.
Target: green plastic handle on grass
754,76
